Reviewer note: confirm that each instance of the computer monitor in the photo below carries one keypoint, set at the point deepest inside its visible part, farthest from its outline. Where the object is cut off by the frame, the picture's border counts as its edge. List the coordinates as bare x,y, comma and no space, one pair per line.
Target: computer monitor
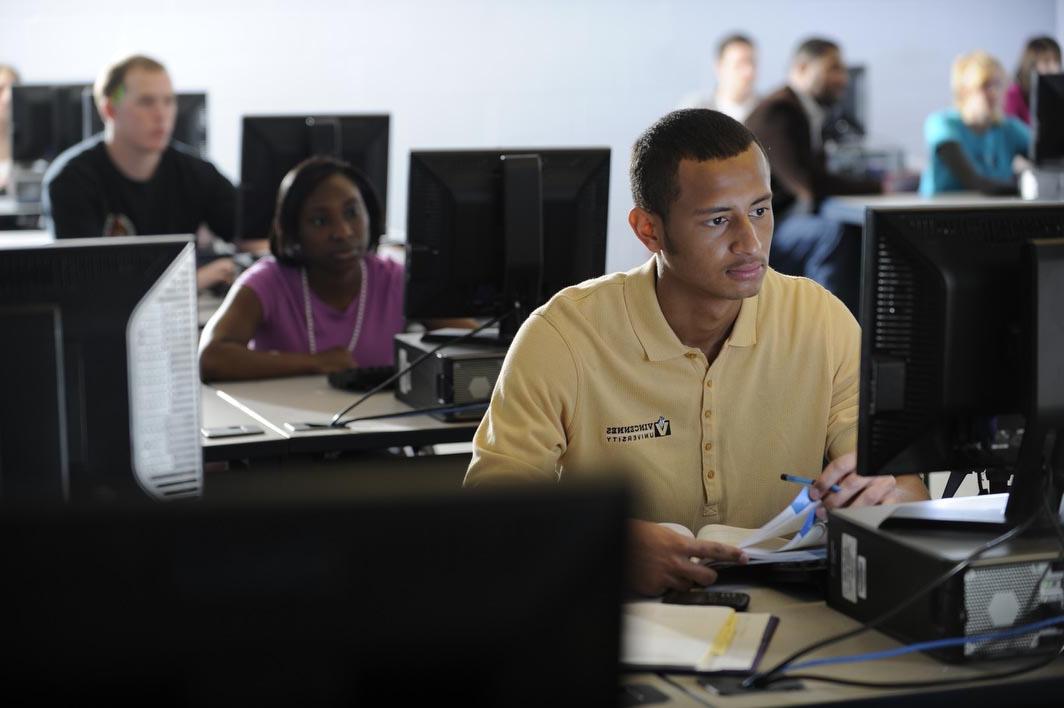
468,598
847,120
190,125
99,371
272,145
1047,119
962,357
46,119
491,231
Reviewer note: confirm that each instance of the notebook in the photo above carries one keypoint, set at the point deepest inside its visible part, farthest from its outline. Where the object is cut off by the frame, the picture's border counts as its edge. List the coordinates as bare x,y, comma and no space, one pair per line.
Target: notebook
693,638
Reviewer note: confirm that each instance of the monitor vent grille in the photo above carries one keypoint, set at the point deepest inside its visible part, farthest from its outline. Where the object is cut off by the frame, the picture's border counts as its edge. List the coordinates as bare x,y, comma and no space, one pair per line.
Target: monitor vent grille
902,332
964,228
41,274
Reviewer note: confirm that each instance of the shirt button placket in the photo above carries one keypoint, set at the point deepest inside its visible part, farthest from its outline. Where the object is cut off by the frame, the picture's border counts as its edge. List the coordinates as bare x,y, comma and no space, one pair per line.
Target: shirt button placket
709,471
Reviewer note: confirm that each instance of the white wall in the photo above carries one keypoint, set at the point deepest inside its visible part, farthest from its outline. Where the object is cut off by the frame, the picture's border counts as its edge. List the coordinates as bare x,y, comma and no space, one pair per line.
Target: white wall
483,73
1060,22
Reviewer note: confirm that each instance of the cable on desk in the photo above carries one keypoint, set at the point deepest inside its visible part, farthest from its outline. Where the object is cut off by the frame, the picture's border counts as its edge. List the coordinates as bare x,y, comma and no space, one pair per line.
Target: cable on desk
933,644
936,683
337,420
777,672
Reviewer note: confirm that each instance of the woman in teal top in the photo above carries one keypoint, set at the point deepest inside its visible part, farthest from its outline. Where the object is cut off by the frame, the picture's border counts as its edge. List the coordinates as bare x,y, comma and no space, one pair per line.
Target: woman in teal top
974,146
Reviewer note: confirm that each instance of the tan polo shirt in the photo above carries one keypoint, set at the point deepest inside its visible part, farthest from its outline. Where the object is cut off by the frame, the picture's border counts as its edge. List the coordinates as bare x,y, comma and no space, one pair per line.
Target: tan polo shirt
597,380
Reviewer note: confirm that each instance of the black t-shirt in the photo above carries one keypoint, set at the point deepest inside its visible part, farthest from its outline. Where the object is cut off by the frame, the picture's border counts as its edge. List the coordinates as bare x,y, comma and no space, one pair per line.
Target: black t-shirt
86,195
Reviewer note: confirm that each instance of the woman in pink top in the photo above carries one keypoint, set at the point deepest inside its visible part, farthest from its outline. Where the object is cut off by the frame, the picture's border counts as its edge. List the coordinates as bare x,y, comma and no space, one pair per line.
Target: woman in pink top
324,301
1041,55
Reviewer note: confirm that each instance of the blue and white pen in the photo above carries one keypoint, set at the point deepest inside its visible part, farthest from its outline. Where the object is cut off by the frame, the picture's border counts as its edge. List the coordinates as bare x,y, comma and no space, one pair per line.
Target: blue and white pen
806,481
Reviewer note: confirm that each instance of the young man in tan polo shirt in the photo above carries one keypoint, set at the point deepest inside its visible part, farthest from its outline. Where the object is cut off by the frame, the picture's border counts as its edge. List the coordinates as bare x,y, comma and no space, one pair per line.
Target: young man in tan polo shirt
703,373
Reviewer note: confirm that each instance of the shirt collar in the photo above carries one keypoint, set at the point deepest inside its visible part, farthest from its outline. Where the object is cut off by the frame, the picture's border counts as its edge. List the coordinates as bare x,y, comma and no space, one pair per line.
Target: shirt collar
651,328
744,332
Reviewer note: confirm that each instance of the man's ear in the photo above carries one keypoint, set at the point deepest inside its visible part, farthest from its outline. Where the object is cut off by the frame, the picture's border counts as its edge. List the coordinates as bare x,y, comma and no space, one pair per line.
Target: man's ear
107,109
648,228
799,69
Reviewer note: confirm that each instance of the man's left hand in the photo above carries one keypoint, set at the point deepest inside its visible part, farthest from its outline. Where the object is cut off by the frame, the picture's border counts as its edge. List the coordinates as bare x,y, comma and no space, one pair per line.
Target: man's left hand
856,490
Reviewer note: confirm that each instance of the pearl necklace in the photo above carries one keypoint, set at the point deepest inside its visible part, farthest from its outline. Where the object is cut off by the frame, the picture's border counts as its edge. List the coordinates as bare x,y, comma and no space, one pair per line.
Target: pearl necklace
312,342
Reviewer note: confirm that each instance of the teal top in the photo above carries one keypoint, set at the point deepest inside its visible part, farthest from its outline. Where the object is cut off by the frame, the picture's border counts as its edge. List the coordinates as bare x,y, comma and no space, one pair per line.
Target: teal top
990,152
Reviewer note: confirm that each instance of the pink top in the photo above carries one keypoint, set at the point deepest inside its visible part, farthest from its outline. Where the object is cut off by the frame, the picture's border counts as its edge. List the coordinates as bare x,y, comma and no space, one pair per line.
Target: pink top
284,323
1016,104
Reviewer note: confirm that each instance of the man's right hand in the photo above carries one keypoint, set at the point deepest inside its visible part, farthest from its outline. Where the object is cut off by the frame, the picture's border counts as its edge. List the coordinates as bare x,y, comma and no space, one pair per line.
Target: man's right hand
336,359
660,559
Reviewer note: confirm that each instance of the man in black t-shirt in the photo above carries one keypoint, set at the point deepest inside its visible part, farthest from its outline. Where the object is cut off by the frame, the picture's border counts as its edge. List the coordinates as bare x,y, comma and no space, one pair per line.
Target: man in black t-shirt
131,180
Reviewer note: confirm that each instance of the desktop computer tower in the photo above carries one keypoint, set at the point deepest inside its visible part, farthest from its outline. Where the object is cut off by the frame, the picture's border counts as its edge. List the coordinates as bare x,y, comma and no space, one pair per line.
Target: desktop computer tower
879,557
457,374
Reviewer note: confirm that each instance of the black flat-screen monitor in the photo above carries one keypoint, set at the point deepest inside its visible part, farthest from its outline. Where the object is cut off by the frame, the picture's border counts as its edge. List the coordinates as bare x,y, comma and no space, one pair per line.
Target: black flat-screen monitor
1047,119
190,126
99,371
272,145
46,119
469,598
962,357
847,120
488,229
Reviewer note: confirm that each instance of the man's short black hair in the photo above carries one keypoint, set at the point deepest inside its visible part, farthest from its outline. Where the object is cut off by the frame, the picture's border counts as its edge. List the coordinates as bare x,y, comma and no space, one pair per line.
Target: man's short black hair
815,48
731,39
689,134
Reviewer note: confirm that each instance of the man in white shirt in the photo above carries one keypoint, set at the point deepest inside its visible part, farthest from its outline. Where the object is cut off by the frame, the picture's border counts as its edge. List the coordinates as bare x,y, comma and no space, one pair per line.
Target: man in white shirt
736,71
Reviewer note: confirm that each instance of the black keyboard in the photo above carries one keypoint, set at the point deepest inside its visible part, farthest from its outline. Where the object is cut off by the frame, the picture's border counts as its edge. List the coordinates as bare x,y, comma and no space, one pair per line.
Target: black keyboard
361,379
